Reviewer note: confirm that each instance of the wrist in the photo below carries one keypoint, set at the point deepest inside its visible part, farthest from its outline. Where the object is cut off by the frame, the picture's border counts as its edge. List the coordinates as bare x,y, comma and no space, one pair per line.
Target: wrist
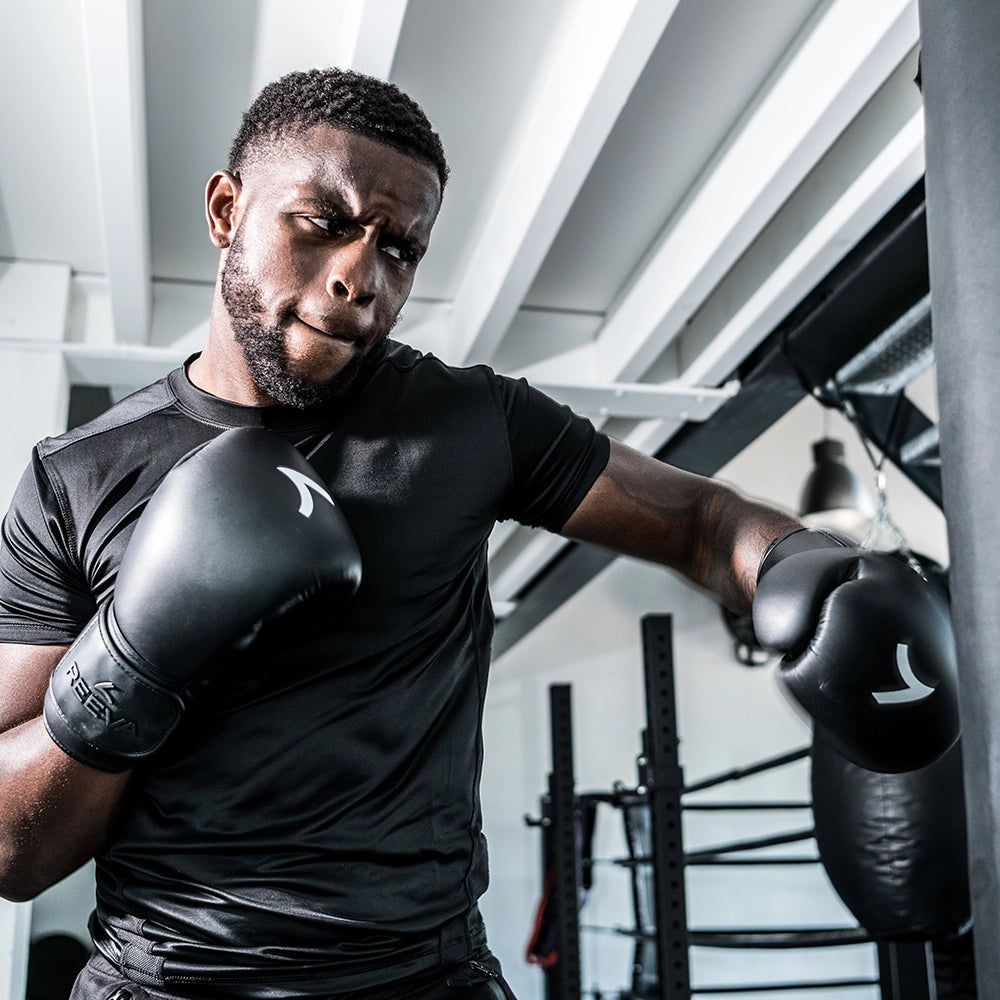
801,539
101,711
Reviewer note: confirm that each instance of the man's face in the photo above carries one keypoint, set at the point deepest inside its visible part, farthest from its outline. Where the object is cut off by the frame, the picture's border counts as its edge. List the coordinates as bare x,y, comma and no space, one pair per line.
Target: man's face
329,228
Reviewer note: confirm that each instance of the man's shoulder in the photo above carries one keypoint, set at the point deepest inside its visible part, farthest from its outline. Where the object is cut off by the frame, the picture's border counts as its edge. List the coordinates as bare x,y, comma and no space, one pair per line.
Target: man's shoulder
409,362
125,448
132,409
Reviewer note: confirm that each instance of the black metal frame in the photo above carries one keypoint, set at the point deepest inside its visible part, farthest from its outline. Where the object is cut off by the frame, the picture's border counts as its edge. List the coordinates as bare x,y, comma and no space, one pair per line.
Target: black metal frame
661,775
563,979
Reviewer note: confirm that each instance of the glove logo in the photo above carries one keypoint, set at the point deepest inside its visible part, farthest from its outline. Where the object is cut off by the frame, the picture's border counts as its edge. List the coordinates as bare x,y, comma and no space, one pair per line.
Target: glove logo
306,488
914,689
98,699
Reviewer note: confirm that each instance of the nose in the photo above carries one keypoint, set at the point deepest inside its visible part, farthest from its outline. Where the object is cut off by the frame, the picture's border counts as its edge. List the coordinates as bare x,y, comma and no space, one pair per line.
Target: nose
353,276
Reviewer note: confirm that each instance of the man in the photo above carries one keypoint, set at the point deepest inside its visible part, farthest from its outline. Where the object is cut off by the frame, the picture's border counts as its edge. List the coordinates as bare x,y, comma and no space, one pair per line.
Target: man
307,821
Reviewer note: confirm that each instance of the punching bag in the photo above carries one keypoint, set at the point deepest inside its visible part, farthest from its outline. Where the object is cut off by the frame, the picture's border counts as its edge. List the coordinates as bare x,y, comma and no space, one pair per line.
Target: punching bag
960,41
893,845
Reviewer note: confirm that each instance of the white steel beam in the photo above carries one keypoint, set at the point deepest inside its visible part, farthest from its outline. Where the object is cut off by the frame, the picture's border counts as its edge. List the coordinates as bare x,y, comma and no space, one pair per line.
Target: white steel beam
124,368
121,366
34,301
874,164
34,305
295,35
371,34
113,43
69,323
301,34
872,193
595,62
840,61
638,401
525,551
538,549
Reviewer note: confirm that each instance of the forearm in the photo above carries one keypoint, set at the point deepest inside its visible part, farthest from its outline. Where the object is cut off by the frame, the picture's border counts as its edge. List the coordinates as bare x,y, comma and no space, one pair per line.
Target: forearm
733,533
698,526
55,813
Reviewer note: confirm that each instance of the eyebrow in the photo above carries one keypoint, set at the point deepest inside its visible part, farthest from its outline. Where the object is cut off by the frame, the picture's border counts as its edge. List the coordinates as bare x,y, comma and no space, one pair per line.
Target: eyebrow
330,206
327,205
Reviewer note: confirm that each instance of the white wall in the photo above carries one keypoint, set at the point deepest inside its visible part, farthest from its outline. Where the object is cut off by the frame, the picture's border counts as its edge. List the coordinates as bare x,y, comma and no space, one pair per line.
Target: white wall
728,716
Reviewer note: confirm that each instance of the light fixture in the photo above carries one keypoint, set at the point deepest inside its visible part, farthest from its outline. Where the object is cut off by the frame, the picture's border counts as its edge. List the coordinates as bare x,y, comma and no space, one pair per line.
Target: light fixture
833,496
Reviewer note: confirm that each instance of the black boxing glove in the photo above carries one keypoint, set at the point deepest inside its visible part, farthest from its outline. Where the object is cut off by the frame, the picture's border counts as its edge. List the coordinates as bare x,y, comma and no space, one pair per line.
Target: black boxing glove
867,646
239,530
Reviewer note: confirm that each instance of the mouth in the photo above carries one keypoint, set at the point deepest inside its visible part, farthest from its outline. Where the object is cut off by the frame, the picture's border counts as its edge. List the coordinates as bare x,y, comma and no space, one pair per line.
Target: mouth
347,337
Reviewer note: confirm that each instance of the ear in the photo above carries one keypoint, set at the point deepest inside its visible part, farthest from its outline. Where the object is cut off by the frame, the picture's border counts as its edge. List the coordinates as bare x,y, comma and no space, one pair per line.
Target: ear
221,197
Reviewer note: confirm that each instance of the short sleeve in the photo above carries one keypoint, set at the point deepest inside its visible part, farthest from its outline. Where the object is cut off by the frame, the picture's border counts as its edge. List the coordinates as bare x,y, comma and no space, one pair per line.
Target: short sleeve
43,596
556,456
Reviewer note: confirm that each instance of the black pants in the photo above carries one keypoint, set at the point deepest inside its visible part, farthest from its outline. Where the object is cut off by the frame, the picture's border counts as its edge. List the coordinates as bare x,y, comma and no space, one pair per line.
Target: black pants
478,978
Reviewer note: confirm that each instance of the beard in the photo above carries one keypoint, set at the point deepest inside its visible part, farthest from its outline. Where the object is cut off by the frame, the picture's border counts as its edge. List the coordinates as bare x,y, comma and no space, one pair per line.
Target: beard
263,345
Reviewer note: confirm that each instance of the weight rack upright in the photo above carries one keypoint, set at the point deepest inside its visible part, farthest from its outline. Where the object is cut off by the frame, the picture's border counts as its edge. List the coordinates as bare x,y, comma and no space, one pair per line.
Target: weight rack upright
662,779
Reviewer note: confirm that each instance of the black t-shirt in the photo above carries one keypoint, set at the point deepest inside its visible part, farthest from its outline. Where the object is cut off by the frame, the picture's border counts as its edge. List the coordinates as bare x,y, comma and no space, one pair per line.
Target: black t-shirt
317,811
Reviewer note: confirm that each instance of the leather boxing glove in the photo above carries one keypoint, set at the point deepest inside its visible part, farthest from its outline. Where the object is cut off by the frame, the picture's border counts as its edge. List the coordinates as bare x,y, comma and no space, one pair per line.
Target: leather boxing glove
239,530
867,648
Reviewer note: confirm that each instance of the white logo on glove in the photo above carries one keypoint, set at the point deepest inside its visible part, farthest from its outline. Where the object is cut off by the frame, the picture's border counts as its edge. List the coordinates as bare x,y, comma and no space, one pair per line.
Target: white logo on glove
915,689
306,488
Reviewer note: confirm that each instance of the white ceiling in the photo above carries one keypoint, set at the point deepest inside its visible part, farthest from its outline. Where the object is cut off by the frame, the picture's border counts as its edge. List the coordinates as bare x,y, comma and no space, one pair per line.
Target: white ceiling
640,191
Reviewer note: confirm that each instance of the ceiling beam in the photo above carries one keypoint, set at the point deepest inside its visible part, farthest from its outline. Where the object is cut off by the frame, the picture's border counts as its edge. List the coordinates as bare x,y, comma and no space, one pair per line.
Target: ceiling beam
371,34
524,564
127,367
839,62
114,59
872,166
596,59
34,301
639,401
302,34
708,355
526,552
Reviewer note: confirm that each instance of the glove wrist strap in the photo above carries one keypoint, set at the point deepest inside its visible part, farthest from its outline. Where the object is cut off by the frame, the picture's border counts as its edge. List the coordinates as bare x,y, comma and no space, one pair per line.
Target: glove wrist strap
101,711
800,540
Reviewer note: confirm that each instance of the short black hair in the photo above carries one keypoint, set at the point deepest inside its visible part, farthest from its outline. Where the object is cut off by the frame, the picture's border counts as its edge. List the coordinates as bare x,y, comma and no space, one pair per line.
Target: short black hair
344,99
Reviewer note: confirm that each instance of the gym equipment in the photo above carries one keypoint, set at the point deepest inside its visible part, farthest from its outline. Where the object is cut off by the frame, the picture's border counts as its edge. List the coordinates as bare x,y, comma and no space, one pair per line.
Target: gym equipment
961,79
868,648
894,845
657,861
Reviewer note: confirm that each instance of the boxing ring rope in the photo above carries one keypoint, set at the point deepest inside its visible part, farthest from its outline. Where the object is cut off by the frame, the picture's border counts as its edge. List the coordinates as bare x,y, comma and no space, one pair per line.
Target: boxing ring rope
657,861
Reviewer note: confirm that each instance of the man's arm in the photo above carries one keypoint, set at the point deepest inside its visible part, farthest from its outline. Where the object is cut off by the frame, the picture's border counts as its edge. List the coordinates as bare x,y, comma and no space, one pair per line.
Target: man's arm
55,813
700,527
866,642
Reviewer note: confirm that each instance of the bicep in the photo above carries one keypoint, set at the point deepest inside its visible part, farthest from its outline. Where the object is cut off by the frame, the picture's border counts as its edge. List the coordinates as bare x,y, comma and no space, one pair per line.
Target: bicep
46,596
24,677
